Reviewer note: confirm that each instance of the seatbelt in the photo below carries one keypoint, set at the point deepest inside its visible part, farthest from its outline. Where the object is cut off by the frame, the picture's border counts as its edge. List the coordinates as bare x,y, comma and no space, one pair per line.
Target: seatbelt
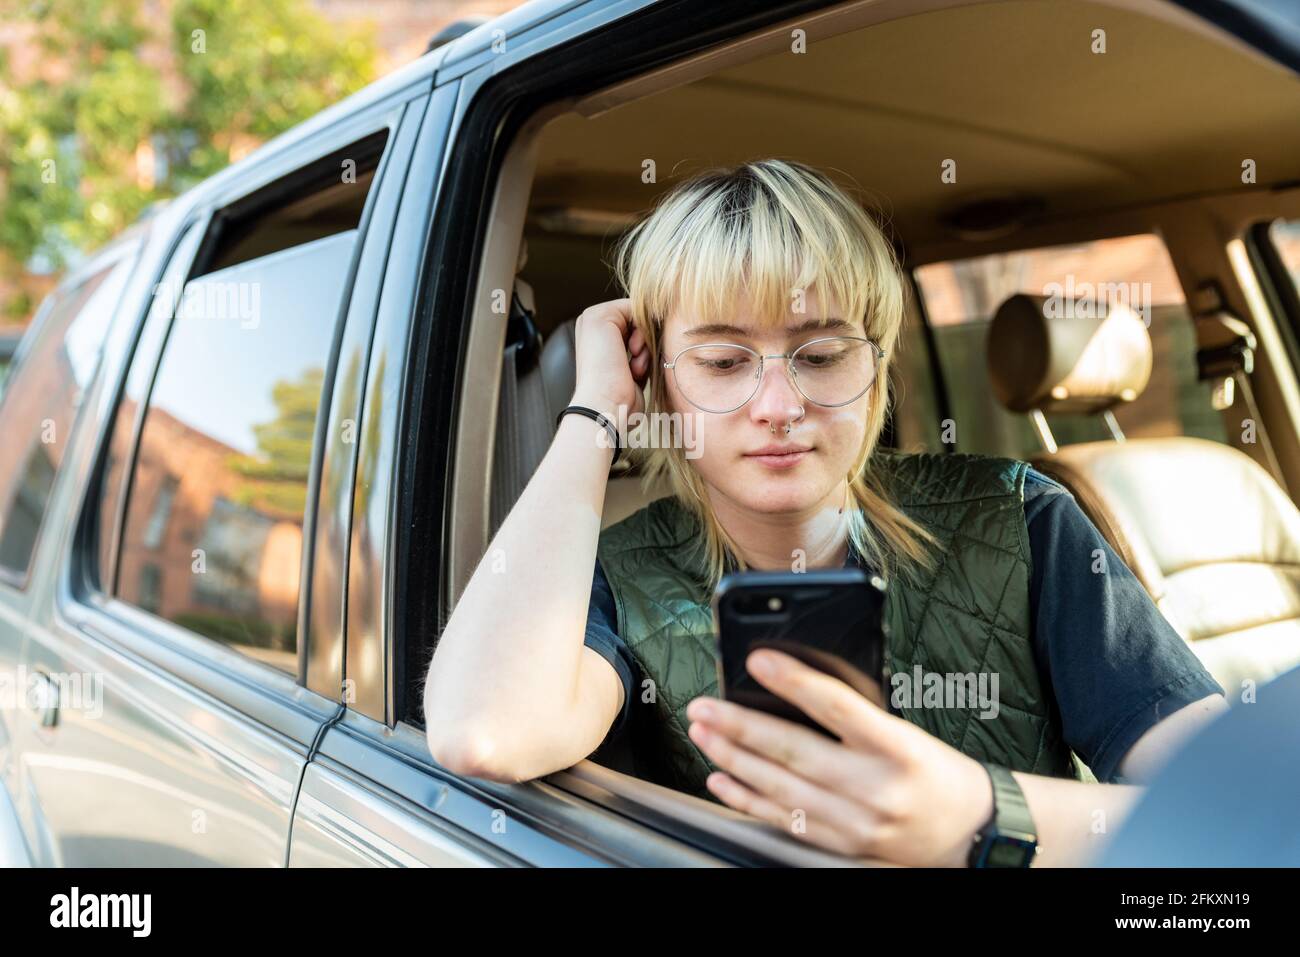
1227,359
1262,449
524,429
505,462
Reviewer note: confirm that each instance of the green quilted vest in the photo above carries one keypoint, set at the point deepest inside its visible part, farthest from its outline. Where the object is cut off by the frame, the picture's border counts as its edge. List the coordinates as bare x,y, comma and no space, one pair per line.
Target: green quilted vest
970,614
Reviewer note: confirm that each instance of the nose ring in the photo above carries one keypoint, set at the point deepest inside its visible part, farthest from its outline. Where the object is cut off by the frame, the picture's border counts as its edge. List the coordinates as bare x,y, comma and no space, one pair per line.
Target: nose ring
788,425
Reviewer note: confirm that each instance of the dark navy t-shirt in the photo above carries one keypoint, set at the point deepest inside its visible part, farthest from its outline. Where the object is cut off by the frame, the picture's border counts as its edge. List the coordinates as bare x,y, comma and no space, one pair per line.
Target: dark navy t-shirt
1107,656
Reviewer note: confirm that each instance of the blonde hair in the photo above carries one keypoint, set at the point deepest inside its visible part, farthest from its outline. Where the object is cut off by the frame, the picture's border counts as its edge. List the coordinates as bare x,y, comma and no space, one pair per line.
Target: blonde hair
768,228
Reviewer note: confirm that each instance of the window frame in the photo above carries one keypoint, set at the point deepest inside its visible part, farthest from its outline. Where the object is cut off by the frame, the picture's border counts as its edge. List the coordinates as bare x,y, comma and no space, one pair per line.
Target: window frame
178,260
223,670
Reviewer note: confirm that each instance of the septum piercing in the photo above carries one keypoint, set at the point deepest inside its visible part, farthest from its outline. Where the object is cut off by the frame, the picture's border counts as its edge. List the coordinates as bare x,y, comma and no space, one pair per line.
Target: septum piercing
772,428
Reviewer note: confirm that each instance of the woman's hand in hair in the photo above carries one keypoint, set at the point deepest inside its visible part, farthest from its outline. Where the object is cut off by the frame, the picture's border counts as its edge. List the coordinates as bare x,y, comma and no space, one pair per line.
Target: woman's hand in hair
887,790
613,360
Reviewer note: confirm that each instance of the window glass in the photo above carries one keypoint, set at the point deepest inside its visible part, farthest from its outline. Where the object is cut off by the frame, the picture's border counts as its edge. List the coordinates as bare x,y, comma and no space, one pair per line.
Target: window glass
118,452
40,404
212,538
961,297
1285,236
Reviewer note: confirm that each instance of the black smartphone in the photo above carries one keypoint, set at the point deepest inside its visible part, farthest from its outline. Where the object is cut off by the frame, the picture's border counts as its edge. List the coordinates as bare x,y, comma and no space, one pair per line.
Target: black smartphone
830,619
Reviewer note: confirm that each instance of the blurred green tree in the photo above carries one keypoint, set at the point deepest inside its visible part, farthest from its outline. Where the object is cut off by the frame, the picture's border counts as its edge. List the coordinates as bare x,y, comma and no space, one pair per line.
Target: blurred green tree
116,107
276,476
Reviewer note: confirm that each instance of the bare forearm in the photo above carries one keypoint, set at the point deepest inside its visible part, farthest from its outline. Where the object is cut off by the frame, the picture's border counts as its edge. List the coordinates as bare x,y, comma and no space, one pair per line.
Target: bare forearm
1074,818
510,654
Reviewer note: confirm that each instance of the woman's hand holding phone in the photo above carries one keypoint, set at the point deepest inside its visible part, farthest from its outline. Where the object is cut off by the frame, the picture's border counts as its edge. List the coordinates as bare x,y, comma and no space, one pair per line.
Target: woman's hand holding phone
886,790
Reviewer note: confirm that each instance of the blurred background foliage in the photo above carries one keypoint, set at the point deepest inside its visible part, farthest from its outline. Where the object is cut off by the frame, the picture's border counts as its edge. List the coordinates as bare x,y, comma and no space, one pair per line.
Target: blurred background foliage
110,106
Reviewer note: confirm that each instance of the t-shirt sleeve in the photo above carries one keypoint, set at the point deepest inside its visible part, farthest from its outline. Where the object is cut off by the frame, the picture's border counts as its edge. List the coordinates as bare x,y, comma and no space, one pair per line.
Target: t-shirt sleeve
1116,666
602,637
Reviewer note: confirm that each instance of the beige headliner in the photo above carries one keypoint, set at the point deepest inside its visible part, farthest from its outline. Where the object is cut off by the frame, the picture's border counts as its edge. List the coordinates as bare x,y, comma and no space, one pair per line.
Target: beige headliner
1010,90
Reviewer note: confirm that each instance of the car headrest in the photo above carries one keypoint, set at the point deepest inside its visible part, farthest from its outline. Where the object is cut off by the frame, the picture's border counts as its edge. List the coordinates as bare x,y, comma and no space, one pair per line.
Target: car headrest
1078,358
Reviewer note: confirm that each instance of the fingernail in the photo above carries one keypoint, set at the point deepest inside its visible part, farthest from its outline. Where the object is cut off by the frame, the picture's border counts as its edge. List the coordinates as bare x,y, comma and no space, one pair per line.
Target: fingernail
701,711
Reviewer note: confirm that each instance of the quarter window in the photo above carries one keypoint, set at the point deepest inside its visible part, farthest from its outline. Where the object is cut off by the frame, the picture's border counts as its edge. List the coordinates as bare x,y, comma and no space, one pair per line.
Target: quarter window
1285,236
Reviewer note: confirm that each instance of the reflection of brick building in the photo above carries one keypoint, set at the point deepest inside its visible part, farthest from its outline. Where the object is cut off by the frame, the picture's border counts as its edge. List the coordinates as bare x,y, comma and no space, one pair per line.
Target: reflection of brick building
243,588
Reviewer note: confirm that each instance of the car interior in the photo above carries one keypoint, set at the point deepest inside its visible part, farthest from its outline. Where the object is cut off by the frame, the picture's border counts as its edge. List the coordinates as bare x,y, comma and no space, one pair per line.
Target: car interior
1006,146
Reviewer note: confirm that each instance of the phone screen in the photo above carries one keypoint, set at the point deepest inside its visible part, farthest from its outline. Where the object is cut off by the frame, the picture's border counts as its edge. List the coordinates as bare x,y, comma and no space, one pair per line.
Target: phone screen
830,619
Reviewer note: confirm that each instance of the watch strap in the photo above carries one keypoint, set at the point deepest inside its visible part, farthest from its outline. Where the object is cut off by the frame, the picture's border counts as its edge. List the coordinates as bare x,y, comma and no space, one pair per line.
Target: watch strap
1010,827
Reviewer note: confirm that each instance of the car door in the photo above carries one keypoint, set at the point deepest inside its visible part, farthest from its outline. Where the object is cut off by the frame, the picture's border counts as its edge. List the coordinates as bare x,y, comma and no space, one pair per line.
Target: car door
180,595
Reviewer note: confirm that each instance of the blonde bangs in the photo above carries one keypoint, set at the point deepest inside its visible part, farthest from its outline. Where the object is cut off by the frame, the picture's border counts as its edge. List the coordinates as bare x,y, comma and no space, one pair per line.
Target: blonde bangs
769,230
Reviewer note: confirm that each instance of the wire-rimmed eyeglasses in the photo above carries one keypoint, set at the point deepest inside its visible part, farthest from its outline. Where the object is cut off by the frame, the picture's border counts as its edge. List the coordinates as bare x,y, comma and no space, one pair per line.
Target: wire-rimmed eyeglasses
721,377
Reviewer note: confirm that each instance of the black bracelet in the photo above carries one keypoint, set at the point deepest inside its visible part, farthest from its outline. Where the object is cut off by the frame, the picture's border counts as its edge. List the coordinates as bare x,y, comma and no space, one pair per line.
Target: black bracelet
598,417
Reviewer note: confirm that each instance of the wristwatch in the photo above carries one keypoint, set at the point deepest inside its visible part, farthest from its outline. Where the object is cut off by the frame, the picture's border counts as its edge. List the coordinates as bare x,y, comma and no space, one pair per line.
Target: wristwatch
1009,838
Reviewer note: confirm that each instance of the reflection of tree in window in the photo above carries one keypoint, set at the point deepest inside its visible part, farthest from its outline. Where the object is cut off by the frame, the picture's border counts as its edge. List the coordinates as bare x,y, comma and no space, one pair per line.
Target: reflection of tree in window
276,476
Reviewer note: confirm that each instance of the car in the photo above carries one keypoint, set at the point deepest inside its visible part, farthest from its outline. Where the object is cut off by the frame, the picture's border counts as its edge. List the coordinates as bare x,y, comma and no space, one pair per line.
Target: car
258,444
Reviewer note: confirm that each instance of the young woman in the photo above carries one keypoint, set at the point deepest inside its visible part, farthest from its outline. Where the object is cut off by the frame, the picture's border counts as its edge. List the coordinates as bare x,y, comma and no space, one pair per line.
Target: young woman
766,304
